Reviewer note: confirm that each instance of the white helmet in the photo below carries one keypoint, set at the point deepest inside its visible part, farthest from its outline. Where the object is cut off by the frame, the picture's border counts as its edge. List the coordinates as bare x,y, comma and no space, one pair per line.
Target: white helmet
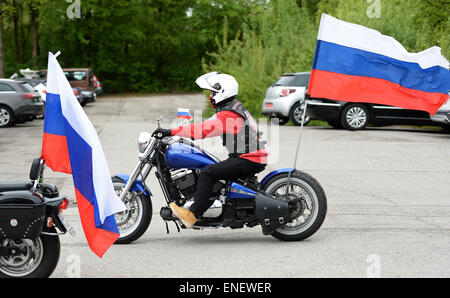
223,86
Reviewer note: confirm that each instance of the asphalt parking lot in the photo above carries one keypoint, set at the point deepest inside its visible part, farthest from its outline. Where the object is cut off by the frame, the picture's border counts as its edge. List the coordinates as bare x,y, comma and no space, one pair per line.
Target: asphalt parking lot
388,193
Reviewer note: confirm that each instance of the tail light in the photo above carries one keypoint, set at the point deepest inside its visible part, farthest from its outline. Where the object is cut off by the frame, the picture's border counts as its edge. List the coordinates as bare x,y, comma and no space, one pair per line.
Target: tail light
26,95
63,206
286,92
75,91
269,105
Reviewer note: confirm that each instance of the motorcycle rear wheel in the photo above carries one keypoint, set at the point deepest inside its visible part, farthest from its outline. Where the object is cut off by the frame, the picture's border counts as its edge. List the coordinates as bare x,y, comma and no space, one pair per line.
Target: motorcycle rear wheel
133,222
312,206
30,258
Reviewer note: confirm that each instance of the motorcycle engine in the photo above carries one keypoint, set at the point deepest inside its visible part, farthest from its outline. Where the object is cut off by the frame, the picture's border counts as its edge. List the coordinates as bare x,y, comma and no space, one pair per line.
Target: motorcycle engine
185,180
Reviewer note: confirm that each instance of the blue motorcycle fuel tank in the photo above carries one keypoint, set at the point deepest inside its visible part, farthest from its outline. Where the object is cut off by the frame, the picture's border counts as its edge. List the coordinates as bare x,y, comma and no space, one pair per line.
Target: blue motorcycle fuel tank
186,156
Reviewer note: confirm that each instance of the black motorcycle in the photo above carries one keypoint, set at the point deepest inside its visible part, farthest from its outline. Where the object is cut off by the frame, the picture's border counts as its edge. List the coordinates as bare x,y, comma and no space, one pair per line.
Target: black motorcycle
30,224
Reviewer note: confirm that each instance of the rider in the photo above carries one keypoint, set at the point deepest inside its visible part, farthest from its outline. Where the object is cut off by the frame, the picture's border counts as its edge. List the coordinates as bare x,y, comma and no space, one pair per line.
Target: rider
240,135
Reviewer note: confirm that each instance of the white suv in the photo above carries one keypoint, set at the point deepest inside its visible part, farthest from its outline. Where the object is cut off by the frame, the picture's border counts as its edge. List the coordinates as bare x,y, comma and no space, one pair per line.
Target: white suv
284,98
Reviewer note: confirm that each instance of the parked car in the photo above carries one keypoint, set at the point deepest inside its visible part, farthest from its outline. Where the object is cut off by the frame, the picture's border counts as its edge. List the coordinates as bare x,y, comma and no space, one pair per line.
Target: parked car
284,98
39,85
78,77
98,86
442,116
82,82
18,102
356,116
84,96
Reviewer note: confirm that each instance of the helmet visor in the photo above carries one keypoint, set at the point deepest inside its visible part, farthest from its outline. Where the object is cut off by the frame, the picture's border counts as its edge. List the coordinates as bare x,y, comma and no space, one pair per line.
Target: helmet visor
202,81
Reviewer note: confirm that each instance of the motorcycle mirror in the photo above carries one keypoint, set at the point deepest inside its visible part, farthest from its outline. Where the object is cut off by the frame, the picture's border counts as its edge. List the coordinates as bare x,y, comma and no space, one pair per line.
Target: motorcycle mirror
160,119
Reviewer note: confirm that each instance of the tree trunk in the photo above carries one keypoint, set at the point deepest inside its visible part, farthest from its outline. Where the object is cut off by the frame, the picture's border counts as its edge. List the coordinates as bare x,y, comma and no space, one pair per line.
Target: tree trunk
2,59
15,19
34,34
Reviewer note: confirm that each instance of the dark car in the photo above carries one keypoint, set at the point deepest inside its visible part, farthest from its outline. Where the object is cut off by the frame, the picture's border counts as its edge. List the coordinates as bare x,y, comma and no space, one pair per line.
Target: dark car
18,102
356,116
84,96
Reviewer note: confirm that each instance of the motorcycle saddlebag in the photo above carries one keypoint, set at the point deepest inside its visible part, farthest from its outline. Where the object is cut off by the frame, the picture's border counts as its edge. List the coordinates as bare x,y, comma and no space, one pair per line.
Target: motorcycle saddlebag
271,212
22,215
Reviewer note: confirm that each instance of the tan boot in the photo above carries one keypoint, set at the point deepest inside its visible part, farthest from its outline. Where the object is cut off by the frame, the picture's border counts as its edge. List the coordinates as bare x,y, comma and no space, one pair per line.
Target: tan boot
186,216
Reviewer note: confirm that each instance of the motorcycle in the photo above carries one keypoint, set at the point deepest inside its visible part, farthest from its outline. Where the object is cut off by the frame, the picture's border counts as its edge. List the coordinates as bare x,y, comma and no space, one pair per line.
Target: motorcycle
30,217
286,215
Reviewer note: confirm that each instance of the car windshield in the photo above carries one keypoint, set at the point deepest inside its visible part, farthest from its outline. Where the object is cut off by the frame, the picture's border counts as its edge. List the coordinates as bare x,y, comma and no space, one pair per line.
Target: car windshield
26,87
293,80
76,75
34,83
285,80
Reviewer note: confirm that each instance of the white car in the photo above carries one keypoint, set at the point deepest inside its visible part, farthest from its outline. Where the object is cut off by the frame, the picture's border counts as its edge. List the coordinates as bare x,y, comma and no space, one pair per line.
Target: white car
284,98
42,89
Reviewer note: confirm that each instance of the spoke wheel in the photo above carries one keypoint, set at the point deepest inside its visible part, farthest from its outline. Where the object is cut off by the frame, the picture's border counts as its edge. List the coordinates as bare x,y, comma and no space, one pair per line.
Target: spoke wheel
134,221
309,206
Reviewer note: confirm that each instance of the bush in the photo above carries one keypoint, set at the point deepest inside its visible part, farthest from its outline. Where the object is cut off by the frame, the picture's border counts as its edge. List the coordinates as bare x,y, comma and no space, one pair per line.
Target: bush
278,37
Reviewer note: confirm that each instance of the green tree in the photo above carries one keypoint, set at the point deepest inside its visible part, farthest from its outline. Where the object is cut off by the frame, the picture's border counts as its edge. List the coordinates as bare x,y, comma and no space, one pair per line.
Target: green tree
277,38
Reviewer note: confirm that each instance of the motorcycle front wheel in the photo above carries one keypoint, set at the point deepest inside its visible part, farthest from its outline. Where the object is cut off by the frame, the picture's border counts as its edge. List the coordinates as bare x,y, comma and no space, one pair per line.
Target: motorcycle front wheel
134,221
310,206
29,258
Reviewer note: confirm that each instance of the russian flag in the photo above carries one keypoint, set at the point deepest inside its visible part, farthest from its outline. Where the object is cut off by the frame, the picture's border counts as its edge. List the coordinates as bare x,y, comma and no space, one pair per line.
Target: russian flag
71,145
357,64
184,114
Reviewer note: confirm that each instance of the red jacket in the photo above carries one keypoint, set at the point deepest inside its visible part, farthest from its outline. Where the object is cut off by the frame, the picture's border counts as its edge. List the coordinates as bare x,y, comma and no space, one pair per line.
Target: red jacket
216,126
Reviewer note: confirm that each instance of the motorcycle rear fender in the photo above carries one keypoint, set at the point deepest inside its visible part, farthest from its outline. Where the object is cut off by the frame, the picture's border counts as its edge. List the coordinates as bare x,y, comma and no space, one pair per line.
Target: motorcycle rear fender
137,186
274,173
51,205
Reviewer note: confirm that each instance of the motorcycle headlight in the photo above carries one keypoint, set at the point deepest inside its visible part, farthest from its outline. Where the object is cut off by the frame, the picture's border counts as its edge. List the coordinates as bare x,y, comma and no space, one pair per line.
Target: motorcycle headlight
144,141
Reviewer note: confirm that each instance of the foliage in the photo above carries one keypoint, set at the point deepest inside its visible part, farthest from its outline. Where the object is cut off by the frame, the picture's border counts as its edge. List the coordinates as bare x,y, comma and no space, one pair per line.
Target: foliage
276,39
281,37
163,45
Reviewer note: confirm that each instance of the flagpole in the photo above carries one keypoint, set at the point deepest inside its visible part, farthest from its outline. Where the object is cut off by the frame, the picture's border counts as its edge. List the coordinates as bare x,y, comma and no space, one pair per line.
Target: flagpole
298,146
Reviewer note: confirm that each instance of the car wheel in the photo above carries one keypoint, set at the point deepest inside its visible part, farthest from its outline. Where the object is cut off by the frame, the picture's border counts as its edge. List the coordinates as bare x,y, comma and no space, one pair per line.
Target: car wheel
6,117
296,115
355,117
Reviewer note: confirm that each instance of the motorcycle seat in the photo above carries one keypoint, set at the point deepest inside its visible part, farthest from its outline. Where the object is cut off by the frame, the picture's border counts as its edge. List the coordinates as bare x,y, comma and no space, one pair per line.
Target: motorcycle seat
15,185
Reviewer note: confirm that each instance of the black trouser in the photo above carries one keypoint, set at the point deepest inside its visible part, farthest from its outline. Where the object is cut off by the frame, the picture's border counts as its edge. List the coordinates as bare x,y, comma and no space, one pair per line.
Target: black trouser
229,169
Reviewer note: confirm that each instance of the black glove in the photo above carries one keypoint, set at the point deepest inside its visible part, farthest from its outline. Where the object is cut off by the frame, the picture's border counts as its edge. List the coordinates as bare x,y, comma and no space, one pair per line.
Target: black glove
161,133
